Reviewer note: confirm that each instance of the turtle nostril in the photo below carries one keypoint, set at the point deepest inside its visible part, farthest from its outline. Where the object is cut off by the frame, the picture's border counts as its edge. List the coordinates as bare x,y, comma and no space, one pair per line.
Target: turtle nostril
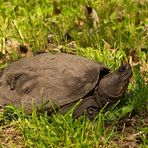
122,68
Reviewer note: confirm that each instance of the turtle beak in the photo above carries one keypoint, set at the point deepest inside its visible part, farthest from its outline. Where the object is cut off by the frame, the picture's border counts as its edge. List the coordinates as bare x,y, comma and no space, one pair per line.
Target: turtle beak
125,71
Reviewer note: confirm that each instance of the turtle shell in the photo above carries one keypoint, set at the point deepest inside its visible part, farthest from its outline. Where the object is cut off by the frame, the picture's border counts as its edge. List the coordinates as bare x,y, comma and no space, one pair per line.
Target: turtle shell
61,78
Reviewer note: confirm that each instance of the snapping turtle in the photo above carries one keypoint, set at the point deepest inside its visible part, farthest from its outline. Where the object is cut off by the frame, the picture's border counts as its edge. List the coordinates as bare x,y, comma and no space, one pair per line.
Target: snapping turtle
62,79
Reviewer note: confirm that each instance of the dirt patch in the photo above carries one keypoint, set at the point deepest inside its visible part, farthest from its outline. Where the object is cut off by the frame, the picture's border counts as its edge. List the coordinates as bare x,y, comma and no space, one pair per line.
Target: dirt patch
10,137
131,130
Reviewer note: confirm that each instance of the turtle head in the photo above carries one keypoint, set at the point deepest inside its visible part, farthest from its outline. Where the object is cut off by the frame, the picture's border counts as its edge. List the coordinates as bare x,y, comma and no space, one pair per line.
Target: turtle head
115,84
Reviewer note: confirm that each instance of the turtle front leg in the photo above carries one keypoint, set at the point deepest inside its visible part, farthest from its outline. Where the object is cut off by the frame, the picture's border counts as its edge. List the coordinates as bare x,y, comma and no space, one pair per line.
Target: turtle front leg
88,107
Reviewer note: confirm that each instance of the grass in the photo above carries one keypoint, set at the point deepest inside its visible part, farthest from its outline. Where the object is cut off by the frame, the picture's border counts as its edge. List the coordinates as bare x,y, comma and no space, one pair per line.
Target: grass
120,36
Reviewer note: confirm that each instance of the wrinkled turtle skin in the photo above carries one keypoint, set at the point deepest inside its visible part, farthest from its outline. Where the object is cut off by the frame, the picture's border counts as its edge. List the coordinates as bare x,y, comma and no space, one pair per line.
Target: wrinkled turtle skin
47,80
